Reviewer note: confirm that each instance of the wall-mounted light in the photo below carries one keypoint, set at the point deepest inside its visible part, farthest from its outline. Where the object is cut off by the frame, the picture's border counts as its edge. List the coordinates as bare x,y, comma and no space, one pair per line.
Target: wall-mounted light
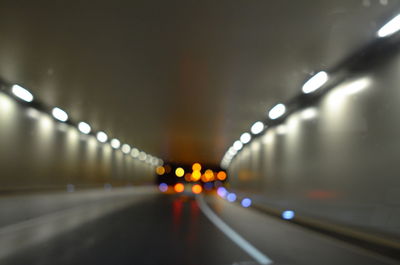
102,137
115,143
59,114
315,82
22,93
390,28
257,127
277,111
84,128
245,138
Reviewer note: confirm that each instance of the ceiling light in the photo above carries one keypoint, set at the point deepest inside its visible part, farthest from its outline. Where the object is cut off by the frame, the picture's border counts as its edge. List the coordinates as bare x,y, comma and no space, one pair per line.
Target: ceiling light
125,148
237,145
257,127
115,143
102,137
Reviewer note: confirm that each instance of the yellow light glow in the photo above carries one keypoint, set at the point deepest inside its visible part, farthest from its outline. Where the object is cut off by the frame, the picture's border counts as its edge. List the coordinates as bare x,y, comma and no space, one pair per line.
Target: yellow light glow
196,167
196,175
179,172
221,175
160,170
209,175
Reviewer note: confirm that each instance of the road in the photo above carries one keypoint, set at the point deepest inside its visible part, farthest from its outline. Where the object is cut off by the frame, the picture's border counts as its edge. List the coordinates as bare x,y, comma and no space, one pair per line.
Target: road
171,229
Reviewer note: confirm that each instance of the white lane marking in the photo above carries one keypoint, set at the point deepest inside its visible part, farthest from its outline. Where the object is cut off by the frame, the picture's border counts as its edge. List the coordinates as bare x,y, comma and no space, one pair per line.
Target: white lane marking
229,232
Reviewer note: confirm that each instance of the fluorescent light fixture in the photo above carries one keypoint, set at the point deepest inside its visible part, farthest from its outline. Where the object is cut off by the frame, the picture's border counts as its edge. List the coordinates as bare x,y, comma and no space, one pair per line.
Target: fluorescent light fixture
135,152
115,143
59,114
257,127
22,93
245,138
315,82
125,148
237,145
102,137
84,127
390,28
277,111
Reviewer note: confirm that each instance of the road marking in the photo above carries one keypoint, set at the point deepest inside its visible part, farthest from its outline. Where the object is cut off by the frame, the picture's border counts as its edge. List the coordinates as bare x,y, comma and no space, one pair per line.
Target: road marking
229,232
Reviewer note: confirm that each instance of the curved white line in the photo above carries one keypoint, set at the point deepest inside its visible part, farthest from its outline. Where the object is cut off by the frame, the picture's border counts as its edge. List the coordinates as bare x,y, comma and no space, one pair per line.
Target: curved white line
229,232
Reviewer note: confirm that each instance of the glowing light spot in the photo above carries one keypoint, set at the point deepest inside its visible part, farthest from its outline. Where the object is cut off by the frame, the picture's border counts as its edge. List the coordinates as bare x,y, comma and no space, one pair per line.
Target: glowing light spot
179,172
281,129
246,202
221,175
115,143
390,28
257,127
209,175
309,113
277,111
222,192
142,156
135,153
84,127
196,167
245,138
188,177
196,175
160,170
231,197
179,187
22,93
102,137
315,82
196,189
126,148
288,215
59,114
163,187
237,145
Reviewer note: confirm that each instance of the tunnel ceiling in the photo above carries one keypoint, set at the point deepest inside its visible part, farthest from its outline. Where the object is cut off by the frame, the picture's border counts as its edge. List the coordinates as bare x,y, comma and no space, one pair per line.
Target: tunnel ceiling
179,79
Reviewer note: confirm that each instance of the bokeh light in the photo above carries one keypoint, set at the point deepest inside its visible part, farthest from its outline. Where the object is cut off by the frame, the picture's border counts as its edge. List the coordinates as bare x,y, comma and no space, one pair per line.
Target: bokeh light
196,175
231,197
163,187
221,175
196,189
288,214
179,172
179,187
160,170
246,202
222,192
196,167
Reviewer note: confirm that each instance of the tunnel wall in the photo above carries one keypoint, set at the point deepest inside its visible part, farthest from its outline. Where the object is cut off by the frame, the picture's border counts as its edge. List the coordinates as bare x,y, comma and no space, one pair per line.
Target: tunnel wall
338,160
38,152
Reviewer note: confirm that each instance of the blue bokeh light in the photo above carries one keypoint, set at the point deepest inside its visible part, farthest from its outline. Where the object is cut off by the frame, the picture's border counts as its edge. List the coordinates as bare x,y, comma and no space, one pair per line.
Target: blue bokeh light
231,197
288,215
246,202
163,187
222,192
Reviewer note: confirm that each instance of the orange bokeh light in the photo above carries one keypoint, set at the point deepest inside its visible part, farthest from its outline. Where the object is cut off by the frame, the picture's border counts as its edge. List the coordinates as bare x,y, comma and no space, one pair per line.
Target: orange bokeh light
221,175
196,167
179,187
209,175
196,189
160,170
188,177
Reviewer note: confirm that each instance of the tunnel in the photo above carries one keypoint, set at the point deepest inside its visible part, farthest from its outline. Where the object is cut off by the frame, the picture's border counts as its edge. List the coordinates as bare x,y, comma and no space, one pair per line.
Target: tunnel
188,132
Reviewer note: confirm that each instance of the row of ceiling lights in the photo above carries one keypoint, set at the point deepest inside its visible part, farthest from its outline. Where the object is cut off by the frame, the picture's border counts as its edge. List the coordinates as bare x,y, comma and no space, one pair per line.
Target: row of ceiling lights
311,85
62,116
